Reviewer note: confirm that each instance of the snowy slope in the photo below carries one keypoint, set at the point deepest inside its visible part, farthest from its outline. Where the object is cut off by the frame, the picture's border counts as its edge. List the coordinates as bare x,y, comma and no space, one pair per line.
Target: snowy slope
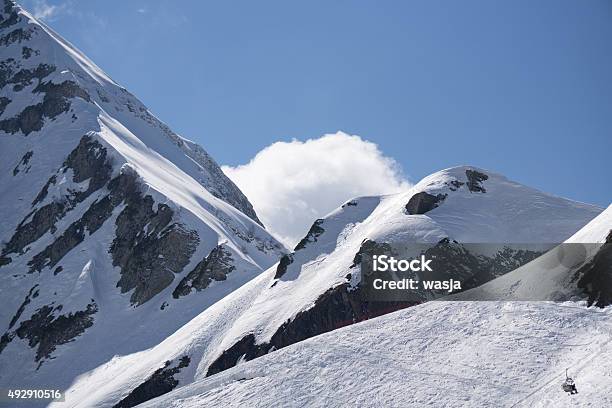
315,289
563,272
439,354
115,230
471,354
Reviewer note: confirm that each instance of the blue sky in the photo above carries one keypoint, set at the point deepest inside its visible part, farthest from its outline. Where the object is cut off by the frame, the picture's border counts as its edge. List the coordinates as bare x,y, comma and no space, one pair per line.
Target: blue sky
520,87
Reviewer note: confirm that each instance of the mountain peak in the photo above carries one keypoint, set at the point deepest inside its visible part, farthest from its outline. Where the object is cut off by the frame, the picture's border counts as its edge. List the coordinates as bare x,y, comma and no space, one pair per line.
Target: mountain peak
40,63
112,222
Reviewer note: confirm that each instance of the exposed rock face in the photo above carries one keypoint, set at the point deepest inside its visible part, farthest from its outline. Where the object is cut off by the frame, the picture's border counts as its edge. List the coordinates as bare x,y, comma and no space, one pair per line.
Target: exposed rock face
338,307
149,248
216,266
4,101
454,185
284,262
23,77
148,258
369,248
16,36
32,294
161,382
88,161
346,304
314,231
46,331
23,163
422,202
595,278
56,101
90,217
475,179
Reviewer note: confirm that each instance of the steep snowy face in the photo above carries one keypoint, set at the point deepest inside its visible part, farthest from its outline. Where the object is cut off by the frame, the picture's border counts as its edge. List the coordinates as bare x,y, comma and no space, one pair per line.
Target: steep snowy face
317,288
580,268
46,77
115,230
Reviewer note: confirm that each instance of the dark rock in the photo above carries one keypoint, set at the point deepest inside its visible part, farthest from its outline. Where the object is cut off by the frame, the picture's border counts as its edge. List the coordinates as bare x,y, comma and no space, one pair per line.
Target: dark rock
47,331
88,161
9,16
475,179
42,194
160,382
42,221
352,203
345,304
338,307
18,35
149,258
5,340
3,104
56,101
26,52
26,302
284,262
422,202
595,278
313,233
369,248
216,266
24,77
23,162
455,185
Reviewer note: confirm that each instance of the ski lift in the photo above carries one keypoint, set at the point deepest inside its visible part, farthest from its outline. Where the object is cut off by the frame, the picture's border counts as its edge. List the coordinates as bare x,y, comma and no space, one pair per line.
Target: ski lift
569,385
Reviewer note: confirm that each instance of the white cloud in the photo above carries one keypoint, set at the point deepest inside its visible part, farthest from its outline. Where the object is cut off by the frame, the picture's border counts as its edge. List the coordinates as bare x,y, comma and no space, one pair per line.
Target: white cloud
291,184
45,11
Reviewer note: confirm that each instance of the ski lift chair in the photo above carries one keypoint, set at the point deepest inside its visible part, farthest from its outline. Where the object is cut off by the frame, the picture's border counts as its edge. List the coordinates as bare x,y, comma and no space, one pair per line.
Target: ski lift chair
569,385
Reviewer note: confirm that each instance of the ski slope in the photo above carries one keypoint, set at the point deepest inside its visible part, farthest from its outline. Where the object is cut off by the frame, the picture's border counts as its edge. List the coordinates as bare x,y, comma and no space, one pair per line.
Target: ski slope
439,354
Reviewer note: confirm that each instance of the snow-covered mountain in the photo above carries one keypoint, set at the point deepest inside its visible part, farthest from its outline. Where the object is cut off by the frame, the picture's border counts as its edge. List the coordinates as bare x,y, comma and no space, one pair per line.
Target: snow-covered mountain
316,288
457,353
115,231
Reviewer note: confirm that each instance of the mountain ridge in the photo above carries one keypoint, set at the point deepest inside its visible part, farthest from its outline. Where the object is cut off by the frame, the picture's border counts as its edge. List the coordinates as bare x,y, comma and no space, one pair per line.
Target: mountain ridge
116,231
314,289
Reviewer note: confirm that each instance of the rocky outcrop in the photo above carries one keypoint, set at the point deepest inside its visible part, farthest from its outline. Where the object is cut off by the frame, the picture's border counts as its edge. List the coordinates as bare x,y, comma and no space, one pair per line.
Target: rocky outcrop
422,202
56,100
45,331
149,248
88,161
284,262
9,15
313,233
23,77
160,382
475,179
348,303
23,163
4,101
337,307
216,266
32,294
595,278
